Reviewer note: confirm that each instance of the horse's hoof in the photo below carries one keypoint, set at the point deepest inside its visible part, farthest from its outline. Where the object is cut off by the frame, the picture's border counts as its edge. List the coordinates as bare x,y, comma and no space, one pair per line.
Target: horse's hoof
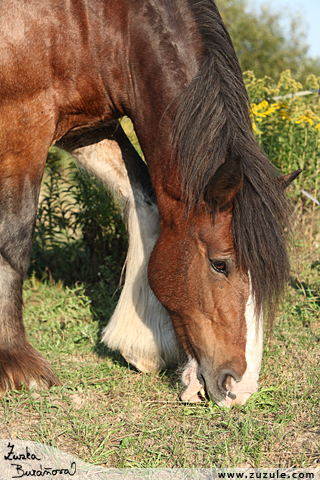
145,365
23,365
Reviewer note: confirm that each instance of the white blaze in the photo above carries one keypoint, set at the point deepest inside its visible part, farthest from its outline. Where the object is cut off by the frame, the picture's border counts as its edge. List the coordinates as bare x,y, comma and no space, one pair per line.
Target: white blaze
254,345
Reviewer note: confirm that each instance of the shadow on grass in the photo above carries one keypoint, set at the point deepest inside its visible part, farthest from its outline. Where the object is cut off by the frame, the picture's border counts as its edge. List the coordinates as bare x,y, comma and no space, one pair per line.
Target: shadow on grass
72,265
171,373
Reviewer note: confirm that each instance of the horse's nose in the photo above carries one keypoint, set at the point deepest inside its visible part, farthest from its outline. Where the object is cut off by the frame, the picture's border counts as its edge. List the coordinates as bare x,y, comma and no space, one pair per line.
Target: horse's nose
219,384
223,382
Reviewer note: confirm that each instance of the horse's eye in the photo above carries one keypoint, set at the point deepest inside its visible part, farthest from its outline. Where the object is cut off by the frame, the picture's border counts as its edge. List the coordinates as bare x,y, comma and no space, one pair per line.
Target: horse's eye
219,266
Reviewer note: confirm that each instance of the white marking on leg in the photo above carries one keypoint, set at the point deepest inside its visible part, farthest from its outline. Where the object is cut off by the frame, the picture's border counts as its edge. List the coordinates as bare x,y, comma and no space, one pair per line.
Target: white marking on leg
140,326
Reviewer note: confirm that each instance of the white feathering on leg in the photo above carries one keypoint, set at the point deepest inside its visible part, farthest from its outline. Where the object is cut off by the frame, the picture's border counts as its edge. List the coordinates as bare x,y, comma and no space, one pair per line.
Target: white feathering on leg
140,326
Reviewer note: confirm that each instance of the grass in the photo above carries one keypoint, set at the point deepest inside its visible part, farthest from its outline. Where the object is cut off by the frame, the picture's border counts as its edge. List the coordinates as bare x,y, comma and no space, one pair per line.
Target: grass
110,415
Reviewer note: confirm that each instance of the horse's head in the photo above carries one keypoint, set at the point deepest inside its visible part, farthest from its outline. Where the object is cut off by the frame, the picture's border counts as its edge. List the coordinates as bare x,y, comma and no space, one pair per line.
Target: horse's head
194,272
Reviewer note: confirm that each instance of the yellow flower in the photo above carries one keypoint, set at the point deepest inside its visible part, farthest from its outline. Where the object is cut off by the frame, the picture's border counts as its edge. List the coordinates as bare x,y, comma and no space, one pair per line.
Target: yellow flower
261,111
307,117
284,111
304,119
256,129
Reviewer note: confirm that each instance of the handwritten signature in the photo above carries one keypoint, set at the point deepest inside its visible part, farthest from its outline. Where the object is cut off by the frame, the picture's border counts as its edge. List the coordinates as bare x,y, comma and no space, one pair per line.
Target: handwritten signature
40,471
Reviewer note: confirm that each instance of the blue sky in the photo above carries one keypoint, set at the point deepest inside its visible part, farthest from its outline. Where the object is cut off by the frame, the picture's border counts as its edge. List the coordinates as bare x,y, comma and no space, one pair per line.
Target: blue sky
310,11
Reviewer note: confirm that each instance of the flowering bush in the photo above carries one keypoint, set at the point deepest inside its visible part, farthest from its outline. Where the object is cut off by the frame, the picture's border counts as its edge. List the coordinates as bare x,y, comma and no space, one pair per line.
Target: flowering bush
288,124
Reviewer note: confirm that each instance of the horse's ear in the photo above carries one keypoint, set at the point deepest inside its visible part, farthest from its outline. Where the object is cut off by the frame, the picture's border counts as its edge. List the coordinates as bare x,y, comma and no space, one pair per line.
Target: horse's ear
225,183
287,179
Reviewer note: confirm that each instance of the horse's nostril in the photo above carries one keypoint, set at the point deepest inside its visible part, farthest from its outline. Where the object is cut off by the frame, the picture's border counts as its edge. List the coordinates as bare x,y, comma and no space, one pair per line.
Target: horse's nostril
222,382
231,395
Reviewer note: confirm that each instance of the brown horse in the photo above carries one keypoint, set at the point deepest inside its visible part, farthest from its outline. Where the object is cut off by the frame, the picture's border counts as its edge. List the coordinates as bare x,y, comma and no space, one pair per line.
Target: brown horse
215,225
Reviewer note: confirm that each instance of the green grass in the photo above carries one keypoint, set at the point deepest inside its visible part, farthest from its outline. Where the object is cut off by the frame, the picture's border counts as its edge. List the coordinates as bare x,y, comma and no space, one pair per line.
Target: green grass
108,414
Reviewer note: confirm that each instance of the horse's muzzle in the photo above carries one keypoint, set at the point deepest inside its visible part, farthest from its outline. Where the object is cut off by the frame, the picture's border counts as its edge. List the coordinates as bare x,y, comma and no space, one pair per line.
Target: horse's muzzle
219,386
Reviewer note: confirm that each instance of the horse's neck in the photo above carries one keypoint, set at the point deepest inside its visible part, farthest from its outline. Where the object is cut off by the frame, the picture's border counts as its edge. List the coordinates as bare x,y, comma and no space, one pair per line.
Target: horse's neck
135,58
166,52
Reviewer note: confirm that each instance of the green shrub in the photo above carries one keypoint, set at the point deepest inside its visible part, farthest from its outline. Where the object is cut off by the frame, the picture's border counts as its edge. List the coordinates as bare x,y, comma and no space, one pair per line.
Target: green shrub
80,235
288,128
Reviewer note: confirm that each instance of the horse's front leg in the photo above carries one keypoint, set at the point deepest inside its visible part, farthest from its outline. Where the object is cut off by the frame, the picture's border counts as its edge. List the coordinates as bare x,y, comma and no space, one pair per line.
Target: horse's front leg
140,326
21,168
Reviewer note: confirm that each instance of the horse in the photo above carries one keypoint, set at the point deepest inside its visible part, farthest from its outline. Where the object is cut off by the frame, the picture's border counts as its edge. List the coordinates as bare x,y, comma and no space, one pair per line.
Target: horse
207,213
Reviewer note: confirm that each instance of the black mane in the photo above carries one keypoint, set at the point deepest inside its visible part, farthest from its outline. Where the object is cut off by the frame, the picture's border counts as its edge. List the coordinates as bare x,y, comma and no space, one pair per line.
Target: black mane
213,121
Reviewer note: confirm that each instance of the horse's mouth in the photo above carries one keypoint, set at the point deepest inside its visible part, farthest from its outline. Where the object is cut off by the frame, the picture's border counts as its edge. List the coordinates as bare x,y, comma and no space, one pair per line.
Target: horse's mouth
195,391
